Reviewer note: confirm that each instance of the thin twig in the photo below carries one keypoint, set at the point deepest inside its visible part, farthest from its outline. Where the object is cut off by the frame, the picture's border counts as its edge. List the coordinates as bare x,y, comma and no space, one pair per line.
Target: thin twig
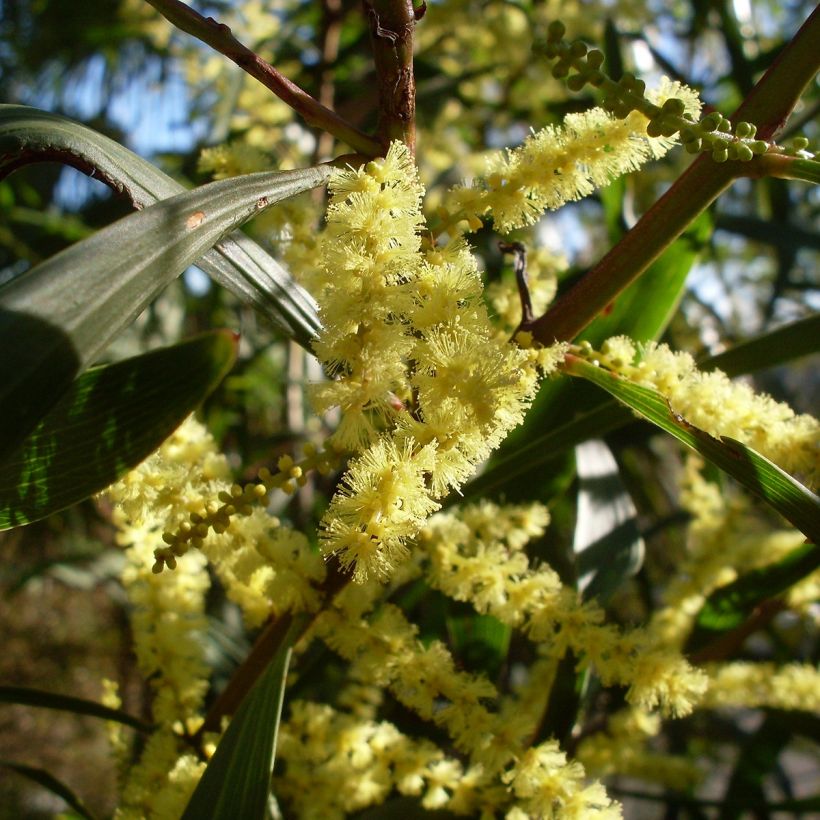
219,36
519,253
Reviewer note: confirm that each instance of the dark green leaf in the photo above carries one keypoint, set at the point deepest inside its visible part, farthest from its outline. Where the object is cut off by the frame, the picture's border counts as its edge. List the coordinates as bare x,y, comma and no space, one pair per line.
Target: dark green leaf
57,318
536,452
785,344
480,642
239,264
789,497
758,756
236,781
644,309
110,419
728,607
66,703
48,781
607,543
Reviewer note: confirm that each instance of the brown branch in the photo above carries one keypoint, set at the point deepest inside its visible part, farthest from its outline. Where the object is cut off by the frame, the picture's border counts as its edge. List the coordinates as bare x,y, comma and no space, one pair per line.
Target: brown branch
278,633
392,23
768,105
219,36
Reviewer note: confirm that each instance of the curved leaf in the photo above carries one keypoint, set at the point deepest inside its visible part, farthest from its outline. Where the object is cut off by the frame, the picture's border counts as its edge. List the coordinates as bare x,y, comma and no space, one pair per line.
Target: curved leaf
237,263
788,496
26,696
57,318
784,344
236,782
55,786
107,422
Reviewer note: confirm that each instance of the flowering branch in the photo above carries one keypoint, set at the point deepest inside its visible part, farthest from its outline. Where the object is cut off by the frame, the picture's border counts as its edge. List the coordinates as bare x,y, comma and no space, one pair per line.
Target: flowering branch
768,106
219,36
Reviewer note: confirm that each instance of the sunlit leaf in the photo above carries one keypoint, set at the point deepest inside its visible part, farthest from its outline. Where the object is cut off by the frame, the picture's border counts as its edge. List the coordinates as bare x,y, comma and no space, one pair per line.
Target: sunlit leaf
56,319
607,543
236,262
785,494
236,781
107,422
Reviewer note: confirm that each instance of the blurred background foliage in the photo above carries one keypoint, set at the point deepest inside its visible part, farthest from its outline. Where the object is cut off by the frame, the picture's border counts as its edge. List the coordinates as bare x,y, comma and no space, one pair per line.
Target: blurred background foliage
117,66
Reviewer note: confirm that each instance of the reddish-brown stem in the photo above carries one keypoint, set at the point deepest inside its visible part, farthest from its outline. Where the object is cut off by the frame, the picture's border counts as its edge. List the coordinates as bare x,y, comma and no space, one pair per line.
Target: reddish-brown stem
768,106
278,632
219,36
392,23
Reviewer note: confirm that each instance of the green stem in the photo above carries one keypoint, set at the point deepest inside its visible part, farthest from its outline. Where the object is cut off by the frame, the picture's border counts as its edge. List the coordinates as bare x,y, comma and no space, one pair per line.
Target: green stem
768,105
218,36
392,23
784,166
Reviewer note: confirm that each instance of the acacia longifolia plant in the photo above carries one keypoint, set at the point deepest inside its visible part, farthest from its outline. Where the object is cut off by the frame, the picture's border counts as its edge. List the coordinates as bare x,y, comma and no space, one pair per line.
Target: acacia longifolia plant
498,528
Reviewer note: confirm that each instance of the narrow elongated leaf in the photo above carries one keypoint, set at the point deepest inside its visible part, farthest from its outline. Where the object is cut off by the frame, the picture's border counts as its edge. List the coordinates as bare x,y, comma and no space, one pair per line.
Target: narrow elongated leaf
107,422
237,263
57,318
776,347
26,696
48,781
745,794
784,344
788,496
728,607
236,781
607,544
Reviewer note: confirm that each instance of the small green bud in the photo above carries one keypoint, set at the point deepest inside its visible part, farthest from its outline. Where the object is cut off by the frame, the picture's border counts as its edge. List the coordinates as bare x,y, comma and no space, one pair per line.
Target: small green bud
560,70
595,78
576,82
758,147
578,49
595,58
710,122
744,129
673,106
720,154
724,126
744,153
800,143
693,146
556,31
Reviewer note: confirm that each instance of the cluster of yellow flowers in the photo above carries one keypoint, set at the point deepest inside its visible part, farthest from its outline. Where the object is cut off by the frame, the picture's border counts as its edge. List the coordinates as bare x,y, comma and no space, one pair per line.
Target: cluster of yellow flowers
562,163
504,773
425,387
721,407
494,575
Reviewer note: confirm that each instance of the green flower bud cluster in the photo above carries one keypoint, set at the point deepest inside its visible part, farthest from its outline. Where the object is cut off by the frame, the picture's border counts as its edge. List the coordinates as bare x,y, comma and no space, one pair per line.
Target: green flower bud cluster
714,133
240,500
